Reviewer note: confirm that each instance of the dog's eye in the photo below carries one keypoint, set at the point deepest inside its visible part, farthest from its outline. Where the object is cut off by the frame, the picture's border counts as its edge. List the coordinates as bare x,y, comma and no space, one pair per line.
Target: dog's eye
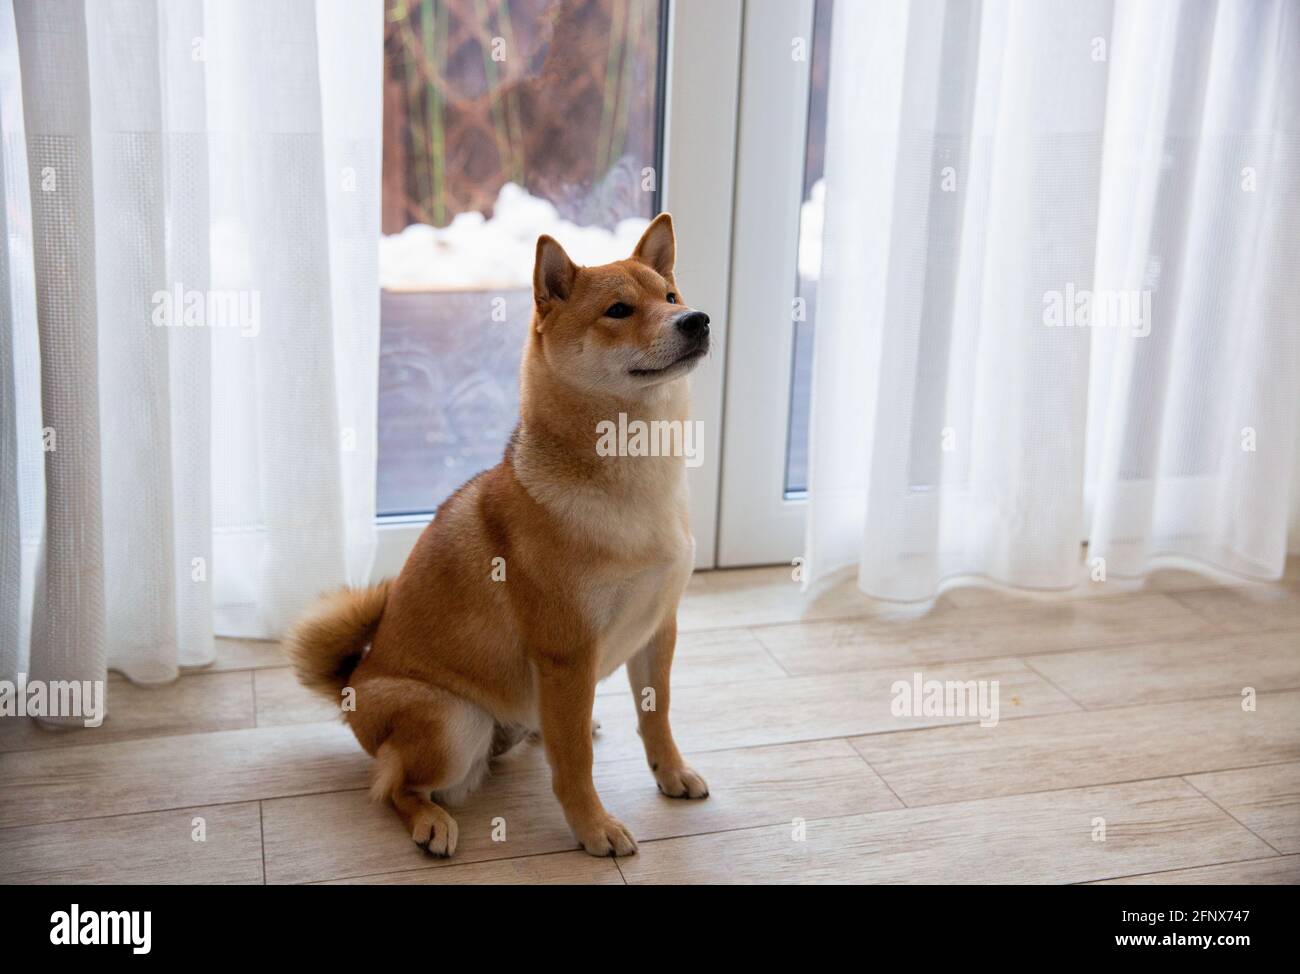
672,298
619,310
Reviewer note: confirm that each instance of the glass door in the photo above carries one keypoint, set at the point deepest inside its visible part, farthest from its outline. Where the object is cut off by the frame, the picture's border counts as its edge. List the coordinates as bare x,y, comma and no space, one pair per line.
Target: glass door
507,120
501,122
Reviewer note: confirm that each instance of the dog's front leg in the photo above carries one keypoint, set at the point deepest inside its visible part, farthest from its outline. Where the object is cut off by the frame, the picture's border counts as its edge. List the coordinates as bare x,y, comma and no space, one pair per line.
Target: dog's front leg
566,693
647,671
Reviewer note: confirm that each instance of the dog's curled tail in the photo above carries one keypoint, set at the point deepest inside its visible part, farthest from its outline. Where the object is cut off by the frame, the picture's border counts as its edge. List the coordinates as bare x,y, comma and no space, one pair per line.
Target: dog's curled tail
327,643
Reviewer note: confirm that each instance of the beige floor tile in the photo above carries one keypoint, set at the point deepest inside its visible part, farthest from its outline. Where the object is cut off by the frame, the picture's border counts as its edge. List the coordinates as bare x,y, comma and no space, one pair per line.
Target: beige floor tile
1265,800
1277,871
710,658
195,703
557,869
281,699
1176,670
1045,838
764,596
247,654
338,835
949,764
815,707
91,780
155,847
1246,609
977,633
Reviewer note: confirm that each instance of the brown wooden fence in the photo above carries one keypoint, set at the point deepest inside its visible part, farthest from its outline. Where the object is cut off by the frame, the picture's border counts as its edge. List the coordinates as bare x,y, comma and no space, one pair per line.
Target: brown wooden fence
556,95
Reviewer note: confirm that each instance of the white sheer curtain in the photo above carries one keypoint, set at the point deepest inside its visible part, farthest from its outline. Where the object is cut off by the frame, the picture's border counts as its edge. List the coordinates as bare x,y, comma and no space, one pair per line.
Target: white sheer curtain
201,462
997,172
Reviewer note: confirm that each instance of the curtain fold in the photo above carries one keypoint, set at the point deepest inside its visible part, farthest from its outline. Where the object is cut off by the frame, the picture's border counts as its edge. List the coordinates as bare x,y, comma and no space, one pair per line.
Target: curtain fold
203,188
1195,433
1057,300
22,490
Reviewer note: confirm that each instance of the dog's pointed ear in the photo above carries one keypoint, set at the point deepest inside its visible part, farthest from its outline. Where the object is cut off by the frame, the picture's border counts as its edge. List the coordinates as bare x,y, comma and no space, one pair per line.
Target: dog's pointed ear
658,246
553,272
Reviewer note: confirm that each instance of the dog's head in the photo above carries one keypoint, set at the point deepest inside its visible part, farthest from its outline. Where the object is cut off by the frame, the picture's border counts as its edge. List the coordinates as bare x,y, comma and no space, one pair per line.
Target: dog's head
620,328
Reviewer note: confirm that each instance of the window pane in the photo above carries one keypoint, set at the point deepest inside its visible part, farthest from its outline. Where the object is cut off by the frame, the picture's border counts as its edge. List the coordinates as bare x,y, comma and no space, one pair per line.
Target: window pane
810,253
502,121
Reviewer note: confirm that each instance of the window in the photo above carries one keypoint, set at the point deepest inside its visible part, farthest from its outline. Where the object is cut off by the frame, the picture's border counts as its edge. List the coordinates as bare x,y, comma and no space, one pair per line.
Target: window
810,253
502,121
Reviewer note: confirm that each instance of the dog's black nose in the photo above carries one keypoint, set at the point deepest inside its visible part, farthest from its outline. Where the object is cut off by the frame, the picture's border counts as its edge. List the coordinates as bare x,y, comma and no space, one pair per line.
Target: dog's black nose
693,324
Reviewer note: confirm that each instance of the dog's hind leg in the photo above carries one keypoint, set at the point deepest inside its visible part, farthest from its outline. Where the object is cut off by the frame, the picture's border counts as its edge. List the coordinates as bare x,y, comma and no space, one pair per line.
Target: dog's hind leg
432,828
437,749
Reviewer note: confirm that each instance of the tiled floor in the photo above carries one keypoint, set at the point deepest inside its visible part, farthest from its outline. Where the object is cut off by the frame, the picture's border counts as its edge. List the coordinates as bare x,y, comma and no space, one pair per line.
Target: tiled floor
1122,752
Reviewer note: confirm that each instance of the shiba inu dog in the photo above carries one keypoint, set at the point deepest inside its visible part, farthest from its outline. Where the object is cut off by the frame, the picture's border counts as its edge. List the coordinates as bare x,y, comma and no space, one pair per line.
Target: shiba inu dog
541,576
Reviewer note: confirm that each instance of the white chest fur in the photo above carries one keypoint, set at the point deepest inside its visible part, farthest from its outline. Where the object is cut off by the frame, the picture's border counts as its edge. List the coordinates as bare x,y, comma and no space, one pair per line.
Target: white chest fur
626,612
634,521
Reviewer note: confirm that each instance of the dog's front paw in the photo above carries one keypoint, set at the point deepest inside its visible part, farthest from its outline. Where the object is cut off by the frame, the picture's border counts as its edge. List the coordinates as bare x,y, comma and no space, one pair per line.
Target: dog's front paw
682,782
607,836
435,832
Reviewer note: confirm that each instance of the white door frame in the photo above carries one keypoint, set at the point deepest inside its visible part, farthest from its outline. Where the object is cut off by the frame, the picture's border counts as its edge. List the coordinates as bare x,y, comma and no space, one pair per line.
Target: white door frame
757,524
699,160
701,104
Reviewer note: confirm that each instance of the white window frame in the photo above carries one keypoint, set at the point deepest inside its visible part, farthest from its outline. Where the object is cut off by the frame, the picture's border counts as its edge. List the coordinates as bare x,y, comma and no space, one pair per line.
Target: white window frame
758,524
